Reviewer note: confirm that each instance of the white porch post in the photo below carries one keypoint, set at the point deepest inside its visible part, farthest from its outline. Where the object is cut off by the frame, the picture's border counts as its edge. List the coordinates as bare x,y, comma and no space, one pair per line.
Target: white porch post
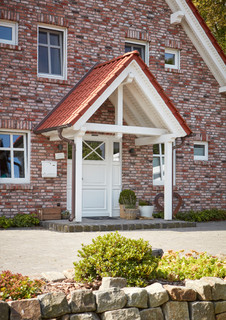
168,185
78,176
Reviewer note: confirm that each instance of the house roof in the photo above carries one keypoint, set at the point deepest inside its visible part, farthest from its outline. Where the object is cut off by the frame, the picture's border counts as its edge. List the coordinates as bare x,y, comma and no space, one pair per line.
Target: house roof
81,97
206,29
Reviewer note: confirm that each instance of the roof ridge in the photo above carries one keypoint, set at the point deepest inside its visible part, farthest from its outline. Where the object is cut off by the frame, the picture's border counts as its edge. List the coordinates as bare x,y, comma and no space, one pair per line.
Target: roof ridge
131,53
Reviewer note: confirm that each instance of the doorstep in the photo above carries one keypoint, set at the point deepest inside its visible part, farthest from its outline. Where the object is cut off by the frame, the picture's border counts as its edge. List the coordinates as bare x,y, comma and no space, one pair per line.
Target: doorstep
112,224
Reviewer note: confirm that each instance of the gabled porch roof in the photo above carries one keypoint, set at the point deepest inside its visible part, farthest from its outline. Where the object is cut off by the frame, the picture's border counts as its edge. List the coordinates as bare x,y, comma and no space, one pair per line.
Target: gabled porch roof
142,107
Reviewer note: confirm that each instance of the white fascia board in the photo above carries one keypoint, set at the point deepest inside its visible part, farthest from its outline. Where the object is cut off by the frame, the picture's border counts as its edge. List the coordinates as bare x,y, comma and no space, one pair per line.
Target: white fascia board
171,123
154,140
200,40
110,128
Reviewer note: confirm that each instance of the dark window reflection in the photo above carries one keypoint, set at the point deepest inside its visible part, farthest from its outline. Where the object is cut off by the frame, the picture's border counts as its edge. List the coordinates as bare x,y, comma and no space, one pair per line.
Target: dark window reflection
5,164
18,164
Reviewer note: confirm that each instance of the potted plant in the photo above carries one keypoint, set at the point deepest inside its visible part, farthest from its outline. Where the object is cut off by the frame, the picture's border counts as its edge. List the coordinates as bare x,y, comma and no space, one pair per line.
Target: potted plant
146,208
127,201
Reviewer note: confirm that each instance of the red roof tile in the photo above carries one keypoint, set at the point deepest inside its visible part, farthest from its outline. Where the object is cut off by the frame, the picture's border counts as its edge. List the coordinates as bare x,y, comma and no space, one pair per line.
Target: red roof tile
91,86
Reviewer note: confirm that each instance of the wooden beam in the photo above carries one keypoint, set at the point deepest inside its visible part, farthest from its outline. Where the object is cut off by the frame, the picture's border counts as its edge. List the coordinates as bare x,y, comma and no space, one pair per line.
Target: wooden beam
153,140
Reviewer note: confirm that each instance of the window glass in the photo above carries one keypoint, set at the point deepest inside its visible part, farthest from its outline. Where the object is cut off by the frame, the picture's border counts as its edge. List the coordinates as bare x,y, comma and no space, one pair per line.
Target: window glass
139,47
156,169
116,151
93,150
43,65
158,163
5,164
18,162
6,33
18,141
43,37
170,58
4,140
54,39
199,150
55,61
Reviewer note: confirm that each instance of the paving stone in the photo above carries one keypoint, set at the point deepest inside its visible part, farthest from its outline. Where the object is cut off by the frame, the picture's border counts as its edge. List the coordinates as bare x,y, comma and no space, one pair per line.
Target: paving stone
4,310
25,309
111,299
218,287
175,310
123,314
221,316
220,307
53,305
151,314
53,276
202,310
136,297
109,282
157,295
180,293
85,316
202,288
82,301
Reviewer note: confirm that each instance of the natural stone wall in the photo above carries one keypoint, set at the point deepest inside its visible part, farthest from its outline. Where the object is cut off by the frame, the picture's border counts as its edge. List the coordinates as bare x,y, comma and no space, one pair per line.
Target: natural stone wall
203,299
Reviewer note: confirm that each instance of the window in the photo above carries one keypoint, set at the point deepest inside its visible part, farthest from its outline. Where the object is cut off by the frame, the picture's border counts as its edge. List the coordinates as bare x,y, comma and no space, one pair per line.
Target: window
158,164
13,157
172,58
140,46
200,150
93,150
52,53
8,32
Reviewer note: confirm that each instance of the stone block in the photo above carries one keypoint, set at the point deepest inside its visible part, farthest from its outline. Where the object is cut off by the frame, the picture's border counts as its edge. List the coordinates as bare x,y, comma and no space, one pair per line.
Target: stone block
109,282
221,316
85,316
123,314
202,310
82,301
220,307
111,299
218,287
157,295
25,309
180,293
4,310
202,288
53,276
53,305
175,310
151,314
136,297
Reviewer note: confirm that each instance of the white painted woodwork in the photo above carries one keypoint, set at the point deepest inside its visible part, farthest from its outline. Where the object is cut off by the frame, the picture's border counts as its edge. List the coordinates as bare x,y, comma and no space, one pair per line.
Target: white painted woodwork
222,89
78,181
168,189
153,140
176,17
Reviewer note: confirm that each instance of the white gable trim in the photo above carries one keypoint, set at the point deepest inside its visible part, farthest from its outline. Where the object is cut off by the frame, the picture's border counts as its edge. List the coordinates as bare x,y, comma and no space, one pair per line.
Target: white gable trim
200,40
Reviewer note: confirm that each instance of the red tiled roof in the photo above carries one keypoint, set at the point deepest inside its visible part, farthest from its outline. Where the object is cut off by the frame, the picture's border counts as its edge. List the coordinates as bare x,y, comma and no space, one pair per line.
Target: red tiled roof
91,86
206,29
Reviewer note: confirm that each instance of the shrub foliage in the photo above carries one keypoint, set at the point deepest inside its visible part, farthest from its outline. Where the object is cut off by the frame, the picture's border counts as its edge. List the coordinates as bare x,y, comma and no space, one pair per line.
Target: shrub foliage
127,197
16,286
175,266
113,255
19,220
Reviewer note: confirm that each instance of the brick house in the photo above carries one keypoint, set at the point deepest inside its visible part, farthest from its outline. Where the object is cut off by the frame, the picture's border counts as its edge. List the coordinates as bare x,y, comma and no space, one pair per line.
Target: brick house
67,81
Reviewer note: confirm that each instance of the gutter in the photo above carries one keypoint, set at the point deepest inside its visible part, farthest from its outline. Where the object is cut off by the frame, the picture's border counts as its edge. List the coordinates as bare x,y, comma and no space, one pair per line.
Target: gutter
71,142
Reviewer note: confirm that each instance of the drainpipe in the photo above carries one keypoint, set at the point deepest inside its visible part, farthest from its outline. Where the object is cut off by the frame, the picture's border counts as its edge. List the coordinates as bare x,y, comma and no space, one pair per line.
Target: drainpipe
71,142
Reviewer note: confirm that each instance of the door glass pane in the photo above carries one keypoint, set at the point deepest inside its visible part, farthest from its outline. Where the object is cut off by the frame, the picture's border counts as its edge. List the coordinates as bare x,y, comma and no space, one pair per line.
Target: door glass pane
5,33
18,141
42,37
170,58
199,150
55,39
18,163
93,150
55,61
116,151
156,168
5,165
4,140
43,64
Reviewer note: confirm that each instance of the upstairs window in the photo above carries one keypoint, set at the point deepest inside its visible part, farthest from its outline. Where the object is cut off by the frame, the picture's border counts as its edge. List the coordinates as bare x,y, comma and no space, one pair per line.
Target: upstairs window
8,32
172,58
140,46
51,53
200,150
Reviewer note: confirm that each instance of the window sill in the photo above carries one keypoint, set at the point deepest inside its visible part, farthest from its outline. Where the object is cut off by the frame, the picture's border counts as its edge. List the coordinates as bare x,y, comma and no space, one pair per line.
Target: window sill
52,80
10,46
172,70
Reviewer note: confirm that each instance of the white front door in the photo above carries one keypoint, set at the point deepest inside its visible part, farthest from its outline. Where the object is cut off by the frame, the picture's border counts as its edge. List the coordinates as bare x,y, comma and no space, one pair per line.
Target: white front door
101,177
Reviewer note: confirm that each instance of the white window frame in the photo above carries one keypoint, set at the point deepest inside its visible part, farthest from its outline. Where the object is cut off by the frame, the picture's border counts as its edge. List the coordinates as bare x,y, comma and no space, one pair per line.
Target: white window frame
140,43
14,27
27,148
205,156
161,156
64,52
177,58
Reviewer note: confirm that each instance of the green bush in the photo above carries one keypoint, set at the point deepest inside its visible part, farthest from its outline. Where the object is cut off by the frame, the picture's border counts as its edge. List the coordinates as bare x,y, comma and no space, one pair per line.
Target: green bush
159,215
19,220
205,215
128,198
175,266
113,255
16,286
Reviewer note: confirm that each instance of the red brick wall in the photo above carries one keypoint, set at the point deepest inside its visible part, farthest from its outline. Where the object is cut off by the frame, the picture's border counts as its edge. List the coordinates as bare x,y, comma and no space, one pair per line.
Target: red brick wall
96,32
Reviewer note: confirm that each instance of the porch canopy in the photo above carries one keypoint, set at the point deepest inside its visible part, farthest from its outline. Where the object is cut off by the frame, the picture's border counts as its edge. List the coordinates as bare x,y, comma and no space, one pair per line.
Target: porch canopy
138,99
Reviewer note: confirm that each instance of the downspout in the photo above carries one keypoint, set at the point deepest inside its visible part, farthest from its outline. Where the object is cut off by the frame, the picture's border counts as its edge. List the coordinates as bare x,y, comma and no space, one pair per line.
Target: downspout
71,142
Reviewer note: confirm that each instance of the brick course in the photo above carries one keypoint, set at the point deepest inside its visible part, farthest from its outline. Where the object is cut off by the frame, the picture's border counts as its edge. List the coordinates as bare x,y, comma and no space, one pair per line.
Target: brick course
96,32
